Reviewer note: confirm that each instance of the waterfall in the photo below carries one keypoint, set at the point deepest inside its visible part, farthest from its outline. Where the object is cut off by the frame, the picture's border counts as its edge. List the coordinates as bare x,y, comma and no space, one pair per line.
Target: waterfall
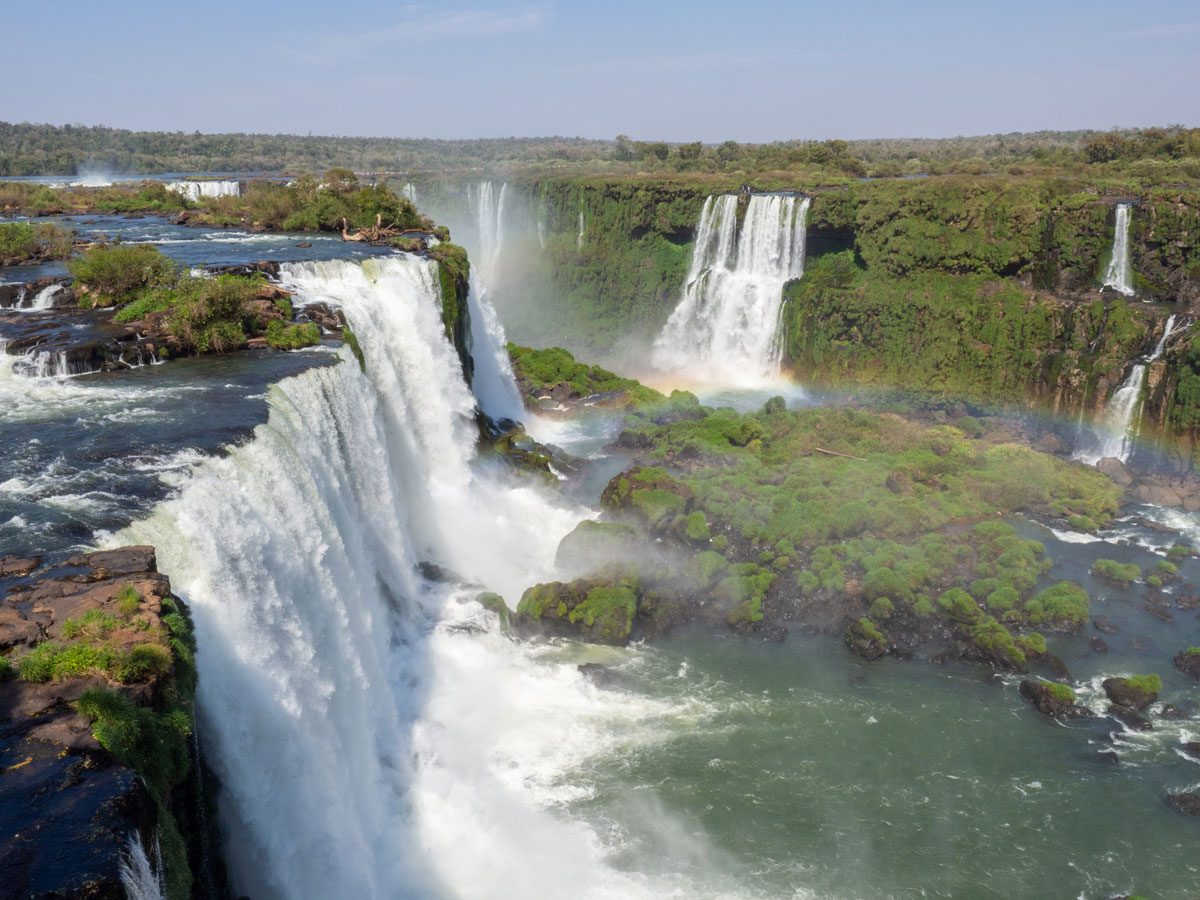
726,325
1116,433
579,240
194,190
493,382
140,876
410,191
541,233
1118,275
373,733
42,300
487,203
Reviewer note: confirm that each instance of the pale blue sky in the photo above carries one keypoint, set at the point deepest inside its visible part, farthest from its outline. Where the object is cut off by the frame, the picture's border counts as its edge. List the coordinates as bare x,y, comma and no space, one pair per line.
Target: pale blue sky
747,70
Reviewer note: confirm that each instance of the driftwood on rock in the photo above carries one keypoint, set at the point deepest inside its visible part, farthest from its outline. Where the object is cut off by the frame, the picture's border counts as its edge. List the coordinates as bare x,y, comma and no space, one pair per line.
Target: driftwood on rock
835,453
377,233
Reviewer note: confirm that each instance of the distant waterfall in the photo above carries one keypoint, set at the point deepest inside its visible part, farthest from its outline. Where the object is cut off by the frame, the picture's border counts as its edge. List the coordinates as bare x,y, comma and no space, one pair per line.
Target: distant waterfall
487,204
1115,434
196,190
726,326
410,191
1119,276
579,240
493,381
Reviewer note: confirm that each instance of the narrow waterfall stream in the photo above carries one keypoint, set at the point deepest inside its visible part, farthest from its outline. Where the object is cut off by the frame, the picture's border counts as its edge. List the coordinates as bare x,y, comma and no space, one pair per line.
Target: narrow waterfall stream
1118,275
1114,436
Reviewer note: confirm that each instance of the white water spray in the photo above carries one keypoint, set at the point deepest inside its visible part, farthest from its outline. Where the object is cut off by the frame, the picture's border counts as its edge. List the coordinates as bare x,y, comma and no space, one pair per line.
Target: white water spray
726,325
1117,432
370,741
1118,275
141,875
579,239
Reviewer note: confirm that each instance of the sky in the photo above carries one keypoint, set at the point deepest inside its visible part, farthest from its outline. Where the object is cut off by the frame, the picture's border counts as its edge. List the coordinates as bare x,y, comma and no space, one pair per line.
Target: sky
745,70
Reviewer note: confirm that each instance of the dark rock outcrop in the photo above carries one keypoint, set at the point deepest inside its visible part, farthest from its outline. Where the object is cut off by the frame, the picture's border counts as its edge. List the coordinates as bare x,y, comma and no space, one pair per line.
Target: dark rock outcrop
1053,700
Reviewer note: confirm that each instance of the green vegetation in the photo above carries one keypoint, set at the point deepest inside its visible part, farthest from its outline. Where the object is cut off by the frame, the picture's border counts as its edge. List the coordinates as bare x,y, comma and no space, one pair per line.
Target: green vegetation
1060,692
352,342
454,269
1119,573
198,314
113,274
6,669
539,371
22,241
1143,684
972,334
836,505
292,337
128,600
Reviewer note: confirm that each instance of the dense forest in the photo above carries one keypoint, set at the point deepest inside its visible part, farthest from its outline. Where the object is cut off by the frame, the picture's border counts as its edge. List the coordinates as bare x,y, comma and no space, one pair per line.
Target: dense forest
30,149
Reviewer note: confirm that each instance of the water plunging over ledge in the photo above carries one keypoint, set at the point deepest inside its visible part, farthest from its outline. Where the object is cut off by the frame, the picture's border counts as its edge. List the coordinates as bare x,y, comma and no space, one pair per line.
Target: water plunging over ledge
1118,275
1115,434
726,326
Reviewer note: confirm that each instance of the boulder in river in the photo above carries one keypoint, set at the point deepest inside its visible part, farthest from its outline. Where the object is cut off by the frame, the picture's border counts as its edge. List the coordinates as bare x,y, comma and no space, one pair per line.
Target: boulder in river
1136,692
1188,662
1052,699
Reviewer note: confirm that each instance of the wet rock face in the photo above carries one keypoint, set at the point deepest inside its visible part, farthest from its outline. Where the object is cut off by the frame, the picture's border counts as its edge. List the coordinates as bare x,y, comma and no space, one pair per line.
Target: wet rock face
66,805
1187,802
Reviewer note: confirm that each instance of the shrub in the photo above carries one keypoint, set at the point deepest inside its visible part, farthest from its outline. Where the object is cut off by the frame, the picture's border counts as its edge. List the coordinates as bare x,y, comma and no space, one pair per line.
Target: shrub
1003,598
697,527
959,605
1065,603
292,337
881,610
50,661
6,670
1033,644
1111,570
142,663
209,313
92,625
1167,568
129,601
115,273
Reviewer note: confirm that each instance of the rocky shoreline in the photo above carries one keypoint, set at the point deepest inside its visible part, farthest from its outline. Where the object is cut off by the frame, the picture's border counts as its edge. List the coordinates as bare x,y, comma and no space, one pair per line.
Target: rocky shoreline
93,645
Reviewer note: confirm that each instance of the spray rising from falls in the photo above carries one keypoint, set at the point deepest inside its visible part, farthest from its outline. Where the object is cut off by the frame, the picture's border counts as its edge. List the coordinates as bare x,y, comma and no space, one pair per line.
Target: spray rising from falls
374,734
1115,435
726,326
1118,275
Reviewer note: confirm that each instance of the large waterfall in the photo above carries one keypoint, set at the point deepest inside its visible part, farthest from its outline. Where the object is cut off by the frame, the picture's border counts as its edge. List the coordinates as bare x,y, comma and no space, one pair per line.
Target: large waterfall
1115,434
374,734
726,326
1118,274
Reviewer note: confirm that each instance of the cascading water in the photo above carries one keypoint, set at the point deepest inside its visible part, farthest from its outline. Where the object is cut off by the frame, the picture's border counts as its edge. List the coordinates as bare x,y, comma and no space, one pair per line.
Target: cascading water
195,190
1118,275
726,325
141,876
1115,436
41,301
493,381
373,732
579,239
410,191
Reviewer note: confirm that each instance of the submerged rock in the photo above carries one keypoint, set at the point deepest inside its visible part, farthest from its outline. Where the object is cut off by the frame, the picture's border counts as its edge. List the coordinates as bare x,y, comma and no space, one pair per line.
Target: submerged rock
1188,802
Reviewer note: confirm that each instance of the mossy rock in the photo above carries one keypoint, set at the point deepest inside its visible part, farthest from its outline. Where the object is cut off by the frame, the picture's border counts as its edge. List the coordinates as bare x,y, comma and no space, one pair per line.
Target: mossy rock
1136,692
865,640
597,610
594,544
495,603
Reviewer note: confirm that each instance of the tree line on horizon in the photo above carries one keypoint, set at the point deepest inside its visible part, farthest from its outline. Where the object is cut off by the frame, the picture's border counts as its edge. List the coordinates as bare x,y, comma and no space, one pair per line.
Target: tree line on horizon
36,149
